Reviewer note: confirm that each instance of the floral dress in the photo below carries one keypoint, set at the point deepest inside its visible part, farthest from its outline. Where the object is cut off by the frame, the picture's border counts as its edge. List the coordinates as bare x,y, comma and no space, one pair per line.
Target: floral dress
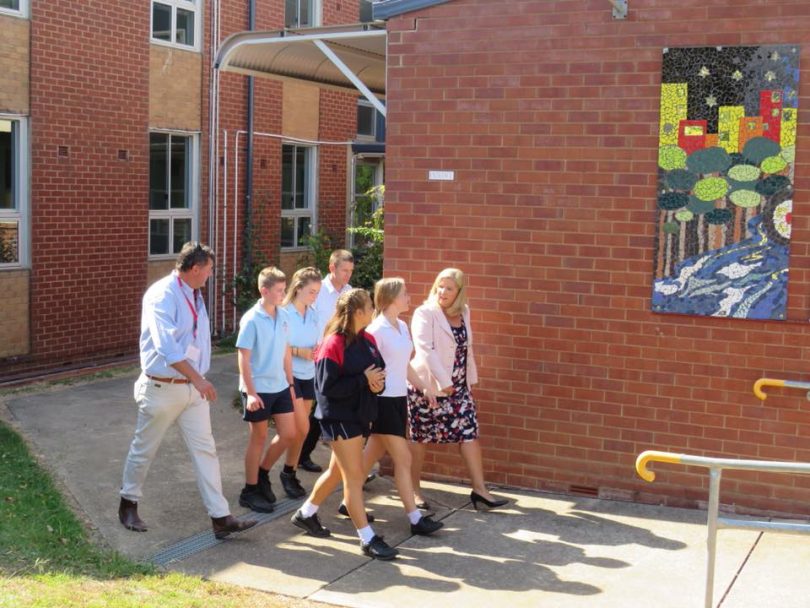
454,420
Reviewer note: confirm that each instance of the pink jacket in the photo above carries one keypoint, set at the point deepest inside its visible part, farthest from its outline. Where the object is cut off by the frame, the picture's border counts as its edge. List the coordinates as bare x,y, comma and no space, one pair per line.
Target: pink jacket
436,347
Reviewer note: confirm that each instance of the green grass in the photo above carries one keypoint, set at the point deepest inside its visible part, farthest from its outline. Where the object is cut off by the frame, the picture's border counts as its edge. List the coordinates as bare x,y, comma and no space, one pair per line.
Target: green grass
47,559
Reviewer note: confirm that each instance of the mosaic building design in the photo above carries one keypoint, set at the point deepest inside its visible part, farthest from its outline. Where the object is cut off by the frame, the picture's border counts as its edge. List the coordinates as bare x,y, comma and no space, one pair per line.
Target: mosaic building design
727,146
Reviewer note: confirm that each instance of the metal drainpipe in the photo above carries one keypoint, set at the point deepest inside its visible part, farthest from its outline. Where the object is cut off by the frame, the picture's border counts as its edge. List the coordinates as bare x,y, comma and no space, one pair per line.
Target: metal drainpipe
248,262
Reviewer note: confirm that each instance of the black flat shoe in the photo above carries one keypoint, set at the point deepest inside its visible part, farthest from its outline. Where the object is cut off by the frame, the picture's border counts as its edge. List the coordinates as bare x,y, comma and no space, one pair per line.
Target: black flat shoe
426,526
345,512
310,466
424,505
379,549
292,487
311,525
481,503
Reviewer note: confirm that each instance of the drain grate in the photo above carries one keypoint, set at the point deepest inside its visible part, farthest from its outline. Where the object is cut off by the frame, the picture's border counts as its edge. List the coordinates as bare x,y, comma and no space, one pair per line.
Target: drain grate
205,540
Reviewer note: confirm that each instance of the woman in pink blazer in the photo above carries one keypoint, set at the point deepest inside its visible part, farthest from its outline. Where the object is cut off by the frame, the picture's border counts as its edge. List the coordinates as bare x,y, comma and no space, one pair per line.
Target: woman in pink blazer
444,361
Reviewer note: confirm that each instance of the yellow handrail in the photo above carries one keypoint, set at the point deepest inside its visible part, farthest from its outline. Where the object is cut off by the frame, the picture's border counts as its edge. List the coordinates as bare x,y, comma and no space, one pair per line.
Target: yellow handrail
766,382
654,456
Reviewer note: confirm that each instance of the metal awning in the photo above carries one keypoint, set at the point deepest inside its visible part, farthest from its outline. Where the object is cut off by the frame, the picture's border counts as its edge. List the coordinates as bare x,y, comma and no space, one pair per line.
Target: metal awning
345,57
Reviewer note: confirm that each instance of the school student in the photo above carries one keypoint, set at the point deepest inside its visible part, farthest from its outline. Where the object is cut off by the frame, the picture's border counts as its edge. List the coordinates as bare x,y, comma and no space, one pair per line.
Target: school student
266,386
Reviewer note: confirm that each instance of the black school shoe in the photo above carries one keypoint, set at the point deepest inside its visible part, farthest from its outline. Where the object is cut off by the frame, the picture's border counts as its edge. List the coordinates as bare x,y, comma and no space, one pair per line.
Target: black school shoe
426,526
379,549
255,501
310,466
292,487
345,513
266,487
310,525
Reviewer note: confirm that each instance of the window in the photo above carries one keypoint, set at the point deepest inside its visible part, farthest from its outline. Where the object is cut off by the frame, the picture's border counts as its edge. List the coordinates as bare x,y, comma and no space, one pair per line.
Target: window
369,174
301,13
176,22
13,191
366,11
173,191
297,194
370,123
18,8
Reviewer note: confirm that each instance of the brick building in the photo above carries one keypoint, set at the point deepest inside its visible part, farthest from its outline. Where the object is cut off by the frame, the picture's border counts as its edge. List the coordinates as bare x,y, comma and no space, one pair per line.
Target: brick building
118,142
547,113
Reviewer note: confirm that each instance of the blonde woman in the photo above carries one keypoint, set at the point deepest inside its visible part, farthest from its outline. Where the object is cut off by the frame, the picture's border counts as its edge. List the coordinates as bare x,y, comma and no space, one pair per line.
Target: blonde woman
349,374
444,361
303,336
388,430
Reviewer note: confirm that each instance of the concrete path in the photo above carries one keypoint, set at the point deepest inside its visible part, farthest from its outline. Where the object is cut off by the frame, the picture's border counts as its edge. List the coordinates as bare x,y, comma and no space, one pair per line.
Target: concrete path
544,550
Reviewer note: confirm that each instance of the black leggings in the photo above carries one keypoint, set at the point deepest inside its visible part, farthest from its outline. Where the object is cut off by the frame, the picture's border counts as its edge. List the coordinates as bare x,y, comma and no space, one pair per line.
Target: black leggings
311,442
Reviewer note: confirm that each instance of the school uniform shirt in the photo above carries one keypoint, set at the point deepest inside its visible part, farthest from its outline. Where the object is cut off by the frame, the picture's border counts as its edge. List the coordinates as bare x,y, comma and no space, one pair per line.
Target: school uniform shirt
266,338
303,334
326,302
341,386
396,348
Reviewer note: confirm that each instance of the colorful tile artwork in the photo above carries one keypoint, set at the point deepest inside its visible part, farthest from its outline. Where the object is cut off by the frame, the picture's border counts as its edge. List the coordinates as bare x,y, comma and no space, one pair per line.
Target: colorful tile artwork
727,144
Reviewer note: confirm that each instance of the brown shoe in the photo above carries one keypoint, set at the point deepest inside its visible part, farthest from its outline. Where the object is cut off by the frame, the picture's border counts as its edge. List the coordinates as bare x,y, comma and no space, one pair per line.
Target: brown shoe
128,515
223,526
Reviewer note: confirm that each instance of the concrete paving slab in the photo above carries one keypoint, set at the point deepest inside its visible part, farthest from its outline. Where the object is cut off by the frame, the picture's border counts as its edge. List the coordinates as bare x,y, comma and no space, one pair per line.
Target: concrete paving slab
549,551
83,434
774,575
277,557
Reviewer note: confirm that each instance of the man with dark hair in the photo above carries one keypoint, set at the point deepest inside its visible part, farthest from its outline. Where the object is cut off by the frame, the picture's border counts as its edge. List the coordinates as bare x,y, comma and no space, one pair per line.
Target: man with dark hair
175,349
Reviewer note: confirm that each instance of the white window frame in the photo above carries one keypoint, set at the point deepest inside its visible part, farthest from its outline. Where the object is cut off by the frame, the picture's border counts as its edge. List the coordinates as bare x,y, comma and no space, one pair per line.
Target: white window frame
22,193
20,12
310,195
189,5
193,211
316,11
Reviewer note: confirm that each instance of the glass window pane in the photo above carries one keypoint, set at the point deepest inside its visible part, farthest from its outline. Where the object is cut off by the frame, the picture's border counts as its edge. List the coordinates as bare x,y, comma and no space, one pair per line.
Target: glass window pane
182,233
365,119
304,229
9,242
301,178
158,176
185,27
158,236
161,21
7,164
287,231
12,4
365,11
179,168
305,16
291,13
287,177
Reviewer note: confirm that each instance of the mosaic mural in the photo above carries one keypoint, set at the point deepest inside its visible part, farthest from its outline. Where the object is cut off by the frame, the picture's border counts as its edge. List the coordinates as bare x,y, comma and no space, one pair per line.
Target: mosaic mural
727,143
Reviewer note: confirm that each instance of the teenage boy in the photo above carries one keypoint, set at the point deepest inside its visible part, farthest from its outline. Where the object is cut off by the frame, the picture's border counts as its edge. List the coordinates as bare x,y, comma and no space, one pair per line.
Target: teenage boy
266,386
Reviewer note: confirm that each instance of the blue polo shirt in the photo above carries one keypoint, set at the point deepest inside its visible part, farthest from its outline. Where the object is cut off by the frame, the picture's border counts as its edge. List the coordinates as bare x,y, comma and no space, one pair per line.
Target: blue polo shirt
266,338
304,333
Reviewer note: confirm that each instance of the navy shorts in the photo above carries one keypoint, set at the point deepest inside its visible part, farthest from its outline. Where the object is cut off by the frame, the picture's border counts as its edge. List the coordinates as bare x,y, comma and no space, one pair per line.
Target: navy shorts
332,430
274,403
304,389
392,416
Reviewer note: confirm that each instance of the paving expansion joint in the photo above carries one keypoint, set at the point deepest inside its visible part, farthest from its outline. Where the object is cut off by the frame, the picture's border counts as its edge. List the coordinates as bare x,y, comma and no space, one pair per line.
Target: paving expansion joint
205,540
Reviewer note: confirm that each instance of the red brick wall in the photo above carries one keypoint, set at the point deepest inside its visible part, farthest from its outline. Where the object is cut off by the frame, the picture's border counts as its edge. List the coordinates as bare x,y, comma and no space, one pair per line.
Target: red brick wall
338,122
88,209
548,114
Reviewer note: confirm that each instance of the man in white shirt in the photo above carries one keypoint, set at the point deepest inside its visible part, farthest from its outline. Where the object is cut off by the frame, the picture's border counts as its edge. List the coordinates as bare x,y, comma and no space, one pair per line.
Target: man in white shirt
341,266
175,349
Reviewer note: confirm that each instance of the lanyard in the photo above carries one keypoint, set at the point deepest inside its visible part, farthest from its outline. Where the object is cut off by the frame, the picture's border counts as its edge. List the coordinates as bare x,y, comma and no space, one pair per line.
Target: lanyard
191,306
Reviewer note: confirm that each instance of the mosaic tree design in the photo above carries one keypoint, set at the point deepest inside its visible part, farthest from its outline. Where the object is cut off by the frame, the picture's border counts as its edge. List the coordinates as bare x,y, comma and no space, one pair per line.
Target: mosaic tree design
727,144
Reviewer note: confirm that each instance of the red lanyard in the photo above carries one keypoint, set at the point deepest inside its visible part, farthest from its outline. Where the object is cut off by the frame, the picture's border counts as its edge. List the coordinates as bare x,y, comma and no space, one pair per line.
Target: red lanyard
191,307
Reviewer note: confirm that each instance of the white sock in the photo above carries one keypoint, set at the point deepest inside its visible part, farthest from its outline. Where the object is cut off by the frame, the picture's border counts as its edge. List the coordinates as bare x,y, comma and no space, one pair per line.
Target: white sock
308,509
415,516
365,534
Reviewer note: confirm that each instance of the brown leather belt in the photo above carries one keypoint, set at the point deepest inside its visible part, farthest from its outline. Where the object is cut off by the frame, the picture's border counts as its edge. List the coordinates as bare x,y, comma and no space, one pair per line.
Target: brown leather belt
169,380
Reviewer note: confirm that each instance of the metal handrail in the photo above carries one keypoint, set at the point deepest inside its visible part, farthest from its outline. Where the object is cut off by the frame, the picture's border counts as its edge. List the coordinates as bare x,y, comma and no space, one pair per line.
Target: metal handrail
780,383
714,522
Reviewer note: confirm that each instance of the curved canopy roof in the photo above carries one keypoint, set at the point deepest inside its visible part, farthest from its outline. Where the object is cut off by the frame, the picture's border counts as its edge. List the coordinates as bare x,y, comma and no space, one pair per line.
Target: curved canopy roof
332,57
